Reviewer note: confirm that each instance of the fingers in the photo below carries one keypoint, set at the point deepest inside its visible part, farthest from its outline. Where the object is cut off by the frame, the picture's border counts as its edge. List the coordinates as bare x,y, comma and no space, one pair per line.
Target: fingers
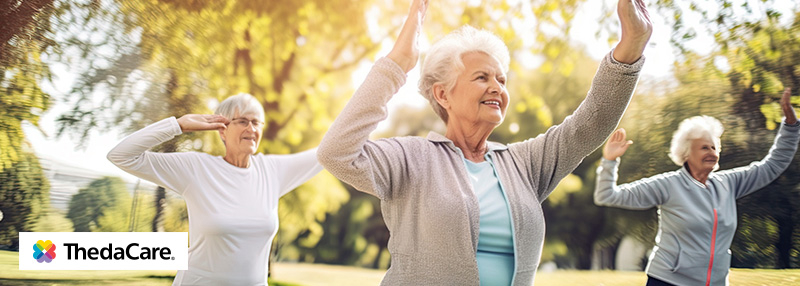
787,95
219,118
618,136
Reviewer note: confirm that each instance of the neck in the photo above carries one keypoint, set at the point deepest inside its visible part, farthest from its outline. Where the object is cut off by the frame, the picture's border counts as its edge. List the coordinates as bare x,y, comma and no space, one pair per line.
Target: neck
700,176
238,160
470,138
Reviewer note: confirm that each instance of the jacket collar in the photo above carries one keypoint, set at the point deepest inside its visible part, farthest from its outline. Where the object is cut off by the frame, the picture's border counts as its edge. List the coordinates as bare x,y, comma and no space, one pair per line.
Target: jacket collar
685,171
439,138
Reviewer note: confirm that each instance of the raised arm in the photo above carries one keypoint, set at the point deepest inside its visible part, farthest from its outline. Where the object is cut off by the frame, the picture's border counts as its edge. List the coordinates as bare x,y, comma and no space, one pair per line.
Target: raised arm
641,194
345,151
564,146
748,179
295,169
166,169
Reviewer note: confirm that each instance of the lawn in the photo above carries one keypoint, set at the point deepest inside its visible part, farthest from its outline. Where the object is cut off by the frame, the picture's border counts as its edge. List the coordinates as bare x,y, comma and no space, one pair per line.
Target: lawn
317,274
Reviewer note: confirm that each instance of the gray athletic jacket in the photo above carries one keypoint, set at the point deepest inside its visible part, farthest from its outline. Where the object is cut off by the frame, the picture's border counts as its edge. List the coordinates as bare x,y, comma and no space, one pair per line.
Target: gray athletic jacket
696,222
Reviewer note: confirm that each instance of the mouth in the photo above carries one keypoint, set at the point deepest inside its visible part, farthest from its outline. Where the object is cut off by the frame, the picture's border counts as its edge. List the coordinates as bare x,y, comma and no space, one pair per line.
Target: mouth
492,103
249,138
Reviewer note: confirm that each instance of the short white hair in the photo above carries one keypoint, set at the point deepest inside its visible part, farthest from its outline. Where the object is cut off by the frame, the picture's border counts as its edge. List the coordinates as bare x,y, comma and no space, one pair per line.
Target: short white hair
443,61
241,104
690,129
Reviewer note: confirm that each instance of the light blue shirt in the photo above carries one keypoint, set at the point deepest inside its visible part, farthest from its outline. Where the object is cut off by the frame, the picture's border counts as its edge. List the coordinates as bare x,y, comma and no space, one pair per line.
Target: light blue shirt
495,254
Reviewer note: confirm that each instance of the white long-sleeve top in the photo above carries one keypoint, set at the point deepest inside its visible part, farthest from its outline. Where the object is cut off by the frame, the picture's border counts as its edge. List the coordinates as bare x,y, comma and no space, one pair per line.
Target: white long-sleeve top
233,212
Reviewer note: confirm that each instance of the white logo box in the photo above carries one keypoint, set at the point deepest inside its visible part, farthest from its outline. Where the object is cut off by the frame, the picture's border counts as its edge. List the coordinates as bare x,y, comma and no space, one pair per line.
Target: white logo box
128,250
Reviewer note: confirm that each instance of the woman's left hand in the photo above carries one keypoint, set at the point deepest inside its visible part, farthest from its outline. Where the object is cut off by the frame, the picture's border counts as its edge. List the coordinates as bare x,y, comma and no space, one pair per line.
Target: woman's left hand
405,51
786,105
636,30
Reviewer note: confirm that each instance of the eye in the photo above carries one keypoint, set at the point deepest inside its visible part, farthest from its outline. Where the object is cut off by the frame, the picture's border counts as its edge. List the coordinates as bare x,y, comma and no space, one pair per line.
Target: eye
481,77
501,81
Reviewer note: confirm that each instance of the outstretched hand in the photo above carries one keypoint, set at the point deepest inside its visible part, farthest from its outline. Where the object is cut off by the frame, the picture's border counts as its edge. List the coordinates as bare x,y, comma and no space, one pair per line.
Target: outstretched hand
202,122
786,105
636,30
405,51
616,145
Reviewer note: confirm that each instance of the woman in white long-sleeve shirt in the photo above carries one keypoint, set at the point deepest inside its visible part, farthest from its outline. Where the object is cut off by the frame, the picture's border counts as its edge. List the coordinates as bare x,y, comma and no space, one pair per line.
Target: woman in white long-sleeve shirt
697,206
232,200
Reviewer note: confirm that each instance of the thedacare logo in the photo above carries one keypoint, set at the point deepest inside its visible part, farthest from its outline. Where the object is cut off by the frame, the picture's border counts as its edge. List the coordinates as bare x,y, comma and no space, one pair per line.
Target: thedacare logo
132,252
44,251
104,251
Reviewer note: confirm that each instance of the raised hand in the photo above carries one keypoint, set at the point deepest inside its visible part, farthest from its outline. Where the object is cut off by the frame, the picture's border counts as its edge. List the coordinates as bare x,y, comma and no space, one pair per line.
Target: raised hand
405,51
786,105
636,30
202,122
616,145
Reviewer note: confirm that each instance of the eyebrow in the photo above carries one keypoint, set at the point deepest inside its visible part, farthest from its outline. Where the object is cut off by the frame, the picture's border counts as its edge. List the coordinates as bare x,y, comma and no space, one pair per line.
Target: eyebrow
480,72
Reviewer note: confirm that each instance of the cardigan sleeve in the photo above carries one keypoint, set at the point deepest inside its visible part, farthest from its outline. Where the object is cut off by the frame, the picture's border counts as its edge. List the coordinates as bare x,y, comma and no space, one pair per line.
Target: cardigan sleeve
375,167
748,179
557,152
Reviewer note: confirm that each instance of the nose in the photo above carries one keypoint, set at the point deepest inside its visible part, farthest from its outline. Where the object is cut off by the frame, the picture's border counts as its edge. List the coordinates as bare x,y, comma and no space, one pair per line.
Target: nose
495,88
251,126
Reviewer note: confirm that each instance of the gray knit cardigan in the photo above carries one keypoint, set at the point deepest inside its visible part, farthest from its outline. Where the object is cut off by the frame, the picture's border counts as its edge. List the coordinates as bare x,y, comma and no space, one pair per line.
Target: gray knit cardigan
426,197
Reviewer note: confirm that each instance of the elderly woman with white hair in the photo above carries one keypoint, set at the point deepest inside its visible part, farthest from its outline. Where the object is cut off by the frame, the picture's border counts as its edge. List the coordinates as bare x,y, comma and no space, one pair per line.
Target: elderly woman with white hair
696,205
232,200
462,210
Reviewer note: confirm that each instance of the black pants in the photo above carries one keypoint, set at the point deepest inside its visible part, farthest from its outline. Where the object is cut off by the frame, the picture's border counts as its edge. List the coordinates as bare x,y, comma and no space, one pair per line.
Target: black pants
655,282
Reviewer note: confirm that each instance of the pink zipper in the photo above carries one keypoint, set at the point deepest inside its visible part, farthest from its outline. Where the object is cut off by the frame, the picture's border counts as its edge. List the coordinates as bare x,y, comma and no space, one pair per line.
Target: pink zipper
713,240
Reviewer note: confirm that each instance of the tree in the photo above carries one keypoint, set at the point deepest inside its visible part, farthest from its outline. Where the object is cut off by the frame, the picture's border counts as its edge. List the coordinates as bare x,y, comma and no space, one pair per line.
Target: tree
23,38
24,195
104,205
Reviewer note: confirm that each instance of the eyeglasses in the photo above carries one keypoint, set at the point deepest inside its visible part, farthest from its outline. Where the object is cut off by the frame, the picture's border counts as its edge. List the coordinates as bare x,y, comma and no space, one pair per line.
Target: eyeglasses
244,122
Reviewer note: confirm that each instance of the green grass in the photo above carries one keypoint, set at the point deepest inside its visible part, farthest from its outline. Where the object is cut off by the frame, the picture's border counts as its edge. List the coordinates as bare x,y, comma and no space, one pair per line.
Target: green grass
291,274
11,275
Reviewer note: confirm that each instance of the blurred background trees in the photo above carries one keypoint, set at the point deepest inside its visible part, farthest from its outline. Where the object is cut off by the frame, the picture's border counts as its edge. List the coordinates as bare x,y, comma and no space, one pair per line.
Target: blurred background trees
137,62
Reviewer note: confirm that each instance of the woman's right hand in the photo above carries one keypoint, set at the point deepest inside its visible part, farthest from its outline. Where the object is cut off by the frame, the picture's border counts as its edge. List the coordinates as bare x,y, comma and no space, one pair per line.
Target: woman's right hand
786,106
616,146
405,51
202,122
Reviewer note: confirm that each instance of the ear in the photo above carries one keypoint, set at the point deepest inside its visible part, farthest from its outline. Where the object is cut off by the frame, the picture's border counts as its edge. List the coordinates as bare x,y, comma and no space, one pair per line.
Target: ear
441,96
222,135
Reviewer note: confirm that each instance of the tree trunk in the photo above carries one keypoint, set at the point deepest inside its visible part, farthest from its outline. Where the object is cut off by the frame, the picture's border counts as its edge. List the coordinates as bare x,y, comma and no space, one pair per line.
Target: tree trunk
160,202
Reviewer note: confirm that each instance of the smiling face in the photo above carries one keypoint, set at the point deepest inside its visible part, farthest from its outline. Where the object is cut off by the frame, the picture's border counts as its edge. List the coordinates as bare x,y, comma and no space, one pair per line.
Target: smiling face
479,95
703,155
243,134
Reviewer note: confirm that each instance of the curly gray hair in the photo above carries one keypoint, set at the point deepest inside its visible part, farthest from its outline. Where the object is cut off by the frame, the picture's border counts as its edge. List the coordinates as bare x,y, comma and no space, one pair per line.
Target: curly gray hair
443,62
694,128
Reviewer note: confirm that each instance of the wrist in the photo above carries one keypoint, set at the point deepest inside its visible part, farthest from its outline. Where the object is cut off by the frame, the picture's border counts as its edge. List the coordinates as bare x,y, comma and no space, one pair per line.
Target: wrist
627,52
401,61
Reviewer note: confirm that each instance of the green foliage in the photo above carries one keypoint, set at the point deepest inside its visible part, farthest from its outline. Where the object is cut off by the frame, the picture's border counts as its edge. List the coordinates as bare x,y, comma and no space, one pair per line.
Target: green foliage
177,217
104,205
24,195
53,221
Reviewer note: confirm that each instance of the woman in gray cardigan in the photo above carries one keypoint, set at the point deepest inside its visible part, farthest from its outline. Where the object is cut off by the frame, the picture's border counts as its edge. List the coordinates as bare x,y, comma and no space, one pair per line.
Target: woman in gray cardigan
462,210
697,206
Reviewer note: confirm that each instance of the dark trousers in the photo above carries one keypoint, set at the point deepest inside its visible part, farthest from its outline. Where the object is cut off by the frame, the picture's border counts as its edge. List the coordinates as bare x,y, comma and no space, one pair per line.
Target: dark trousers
656,282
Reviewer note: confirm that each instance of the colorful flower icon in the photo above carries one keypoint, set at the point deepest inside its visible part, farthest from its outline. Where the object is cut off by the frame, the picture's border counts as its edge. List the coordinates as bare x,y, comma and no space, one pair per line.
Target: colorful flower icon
44,251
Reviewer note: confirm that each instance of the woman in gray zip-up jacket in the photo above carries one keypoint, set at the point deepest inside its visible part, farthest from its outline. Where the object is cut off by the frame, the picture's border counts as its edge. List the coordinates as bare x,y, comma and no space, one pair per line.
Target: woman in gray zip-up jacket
462,210
697,206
